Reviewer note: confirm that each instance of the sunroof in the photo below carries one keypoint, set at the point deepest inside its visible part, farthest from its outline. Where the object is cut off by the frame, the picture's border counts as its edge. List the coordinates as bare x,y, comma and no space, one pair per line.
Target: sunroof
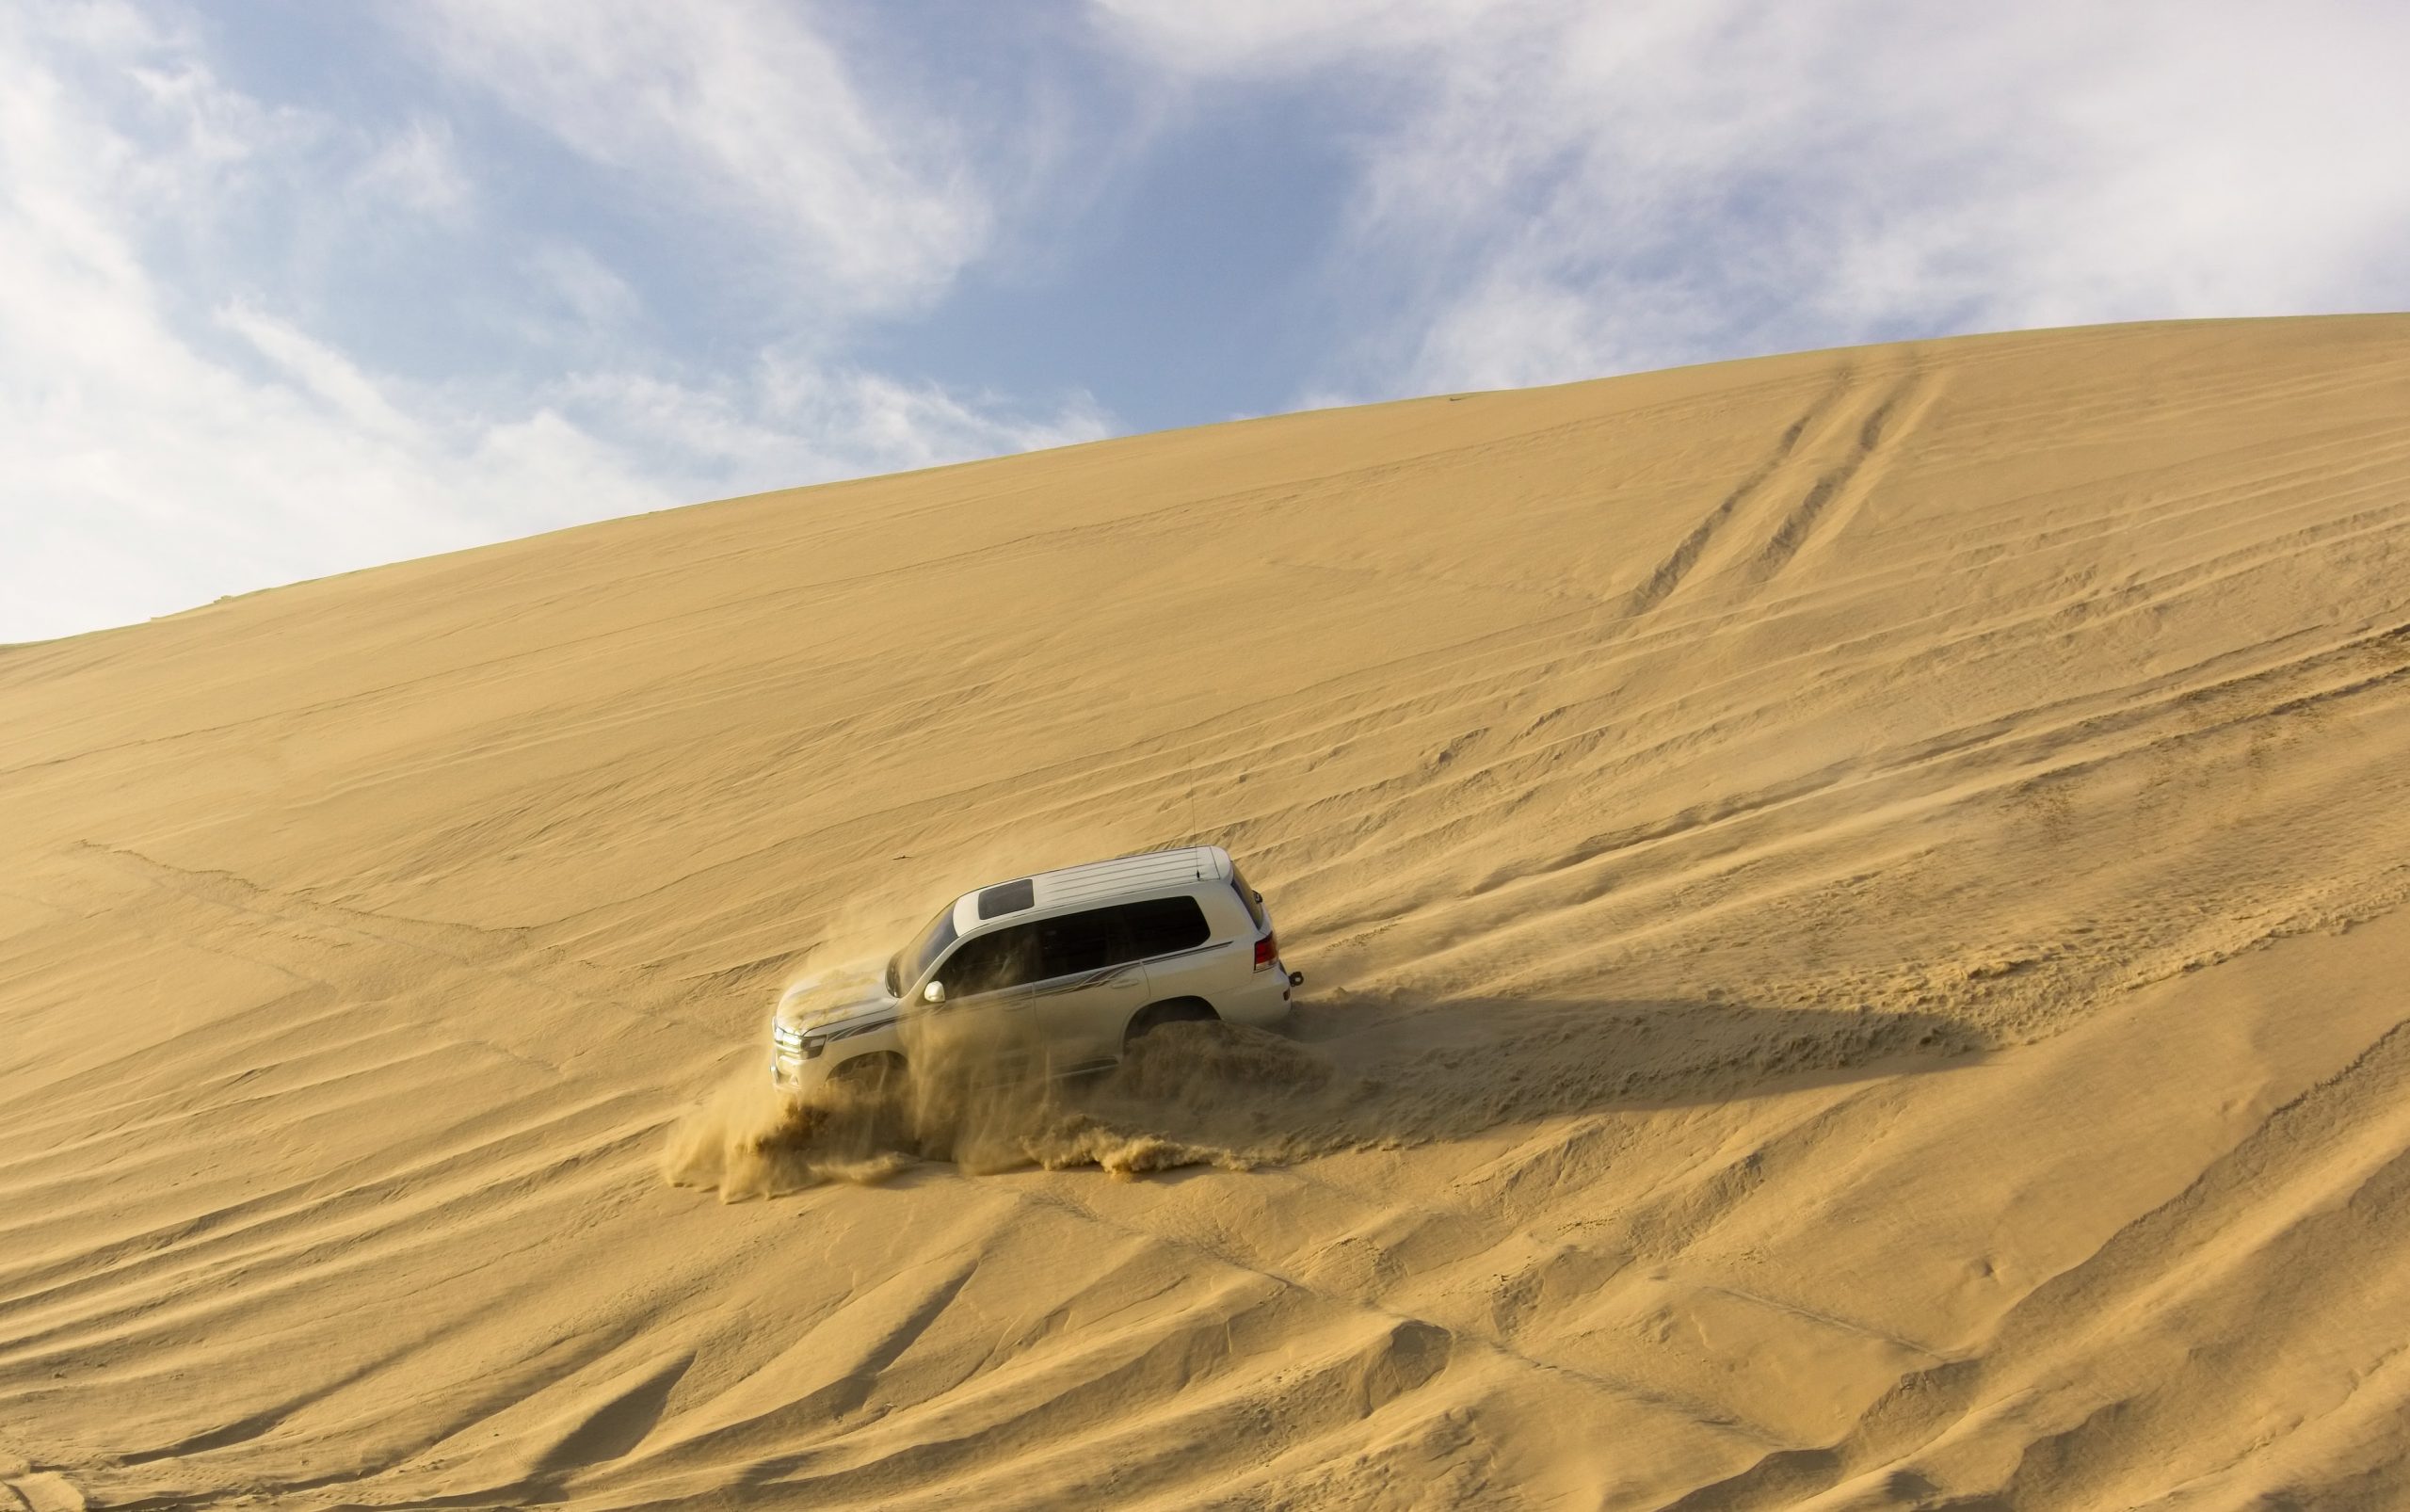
1007,897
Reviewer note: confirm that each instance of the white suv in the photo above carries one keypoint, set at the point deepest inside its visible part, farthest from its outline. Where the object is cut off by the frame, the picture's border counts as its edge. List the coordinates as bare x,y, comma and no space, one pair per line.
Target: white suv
1074,964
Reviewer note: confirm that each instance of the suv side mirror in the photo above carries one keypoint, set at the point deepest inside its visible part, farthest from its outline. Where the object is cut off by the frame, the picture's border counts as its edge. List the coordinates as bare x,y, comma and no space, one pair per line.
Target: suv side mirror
934,993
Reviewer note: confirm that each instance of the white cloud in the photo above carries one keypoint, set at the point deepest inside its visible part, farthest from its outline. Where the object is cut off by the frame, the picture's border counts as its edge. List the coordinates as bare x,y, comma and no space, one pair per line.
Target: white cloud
1557,191
601,299
794,416
740,108
169,433
1283,36
349,396
418,171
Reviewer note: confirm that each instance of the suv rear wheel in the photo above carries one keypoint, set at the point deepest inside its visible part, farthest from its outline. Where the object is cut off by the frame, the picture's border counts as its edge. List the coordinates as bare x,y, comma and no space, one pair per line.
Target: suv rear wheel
1175,1010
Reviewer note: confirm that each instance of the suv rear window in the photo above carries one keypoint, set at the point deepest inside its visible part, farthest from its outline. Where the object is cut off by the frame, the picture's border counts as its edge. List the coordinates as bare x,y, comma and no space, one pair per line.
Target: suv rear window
1247,895
1158,927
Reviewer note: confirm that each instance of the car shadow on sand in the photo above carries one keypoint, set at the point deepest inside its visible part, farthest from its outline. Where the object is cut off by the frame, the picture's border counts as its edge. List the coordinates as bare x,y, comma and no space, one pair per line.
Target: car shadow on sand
1353,1072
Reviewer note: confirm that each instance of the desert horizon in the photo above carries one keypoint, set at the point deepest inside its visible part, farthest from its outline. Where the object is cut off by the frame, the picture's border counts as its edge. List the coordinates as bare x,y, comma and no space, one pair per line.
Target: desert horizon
1851,906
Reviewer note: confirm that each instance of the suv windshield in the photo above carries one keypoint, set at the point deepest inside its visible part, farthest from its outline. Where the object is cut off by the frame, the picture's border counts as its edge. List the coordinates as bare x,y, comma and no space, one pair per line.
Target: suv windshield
914,959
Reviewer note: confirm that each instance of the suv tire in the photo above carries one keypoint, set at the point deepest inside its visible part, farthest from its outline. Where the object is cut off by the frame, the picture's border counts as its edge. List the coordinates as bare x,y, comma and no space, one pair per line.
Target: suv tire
1175,1010
875,1074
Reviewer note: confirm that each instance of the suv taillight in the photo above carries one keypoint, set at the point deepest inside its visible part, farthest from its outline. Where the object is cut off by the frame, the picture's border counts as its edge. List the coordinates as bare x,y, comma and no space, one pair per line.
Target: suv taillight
1267,950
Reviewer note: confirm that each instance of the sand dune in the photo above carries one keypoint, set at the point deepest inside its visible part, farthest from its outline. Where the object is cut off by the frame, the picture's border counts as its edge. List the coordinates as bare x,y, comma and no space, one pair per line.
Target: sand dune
1852,904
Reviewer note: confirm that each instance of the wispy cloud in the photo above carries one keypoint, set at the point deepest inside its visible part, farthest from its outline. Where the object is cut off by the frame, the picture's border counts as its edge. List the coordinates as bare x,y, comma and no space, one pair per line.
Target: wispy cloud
738,111
1555,191
154,459
418,170
175,423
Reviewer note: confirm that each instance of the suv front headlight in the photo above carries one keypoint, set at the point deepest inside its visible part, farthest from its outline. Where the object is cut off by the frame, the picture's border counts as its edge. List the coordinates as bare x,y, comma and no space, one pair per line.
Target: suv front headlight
795,1043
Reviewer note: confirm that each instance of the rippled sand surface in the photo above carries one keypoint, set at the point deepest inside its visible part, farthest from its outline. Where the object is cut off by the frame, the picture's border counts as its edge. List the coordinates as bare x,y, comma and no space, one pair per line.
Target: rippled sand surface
1852,904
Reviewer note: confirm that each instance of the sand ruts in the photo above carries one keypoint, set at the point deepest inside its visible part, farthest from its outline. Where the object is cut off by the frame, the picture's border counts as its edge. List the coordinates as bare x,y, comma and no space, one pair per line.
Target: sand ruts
1852,904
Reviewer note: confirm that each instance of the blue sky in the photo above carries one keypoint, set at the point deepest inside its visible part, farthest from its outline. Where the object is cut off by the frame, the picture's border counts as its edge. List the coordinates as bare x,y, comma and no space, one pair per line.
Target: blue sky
288,288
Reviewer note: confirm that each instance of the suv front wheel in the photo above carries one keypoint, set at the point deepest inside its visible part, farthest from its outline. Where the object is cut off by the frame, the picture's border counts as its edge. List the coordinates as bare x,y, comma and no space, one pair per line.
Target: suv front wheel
878,1073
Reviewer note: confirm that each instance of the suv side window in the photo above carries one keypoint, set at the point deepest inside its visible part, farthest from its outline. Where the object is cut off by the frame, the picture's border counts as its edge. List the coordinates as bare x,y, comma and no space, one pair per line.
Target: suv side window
1158,927
990,963
1076,943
